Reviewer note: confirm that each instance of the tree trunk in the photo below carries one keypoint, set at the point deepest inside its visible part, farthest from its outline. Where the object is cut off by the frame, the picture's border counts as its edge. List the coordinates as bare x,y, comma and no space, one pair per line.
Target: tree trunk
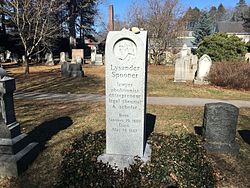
26,66
72,31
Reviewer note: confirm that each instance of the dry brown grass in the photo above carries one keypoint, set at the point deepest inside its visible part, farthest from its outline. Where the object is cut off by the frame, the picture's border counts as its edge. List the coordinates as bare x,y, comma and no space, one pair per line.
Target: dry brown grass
55,124
160,83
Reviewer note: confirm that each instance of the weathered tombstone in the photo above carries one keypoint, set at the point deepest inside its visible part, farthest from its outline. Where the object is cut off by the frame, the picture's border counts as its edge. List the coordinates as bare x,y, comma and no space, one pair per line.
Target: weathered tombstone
8,54
98,59
15,58
62,57
183,67
23,59
204,66
15,150
219,128
247,57
191,67
77,53
49,59
3,73
93,54
1,57
78,60
71,70
179,73
126,78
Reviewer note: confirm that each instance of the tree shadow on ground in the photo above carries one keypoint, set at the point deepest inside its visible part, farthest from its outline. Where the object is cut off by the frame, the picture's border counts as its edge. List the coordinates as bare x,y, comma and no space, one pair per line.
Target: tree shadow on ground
45,131
198,130
53,82
245,135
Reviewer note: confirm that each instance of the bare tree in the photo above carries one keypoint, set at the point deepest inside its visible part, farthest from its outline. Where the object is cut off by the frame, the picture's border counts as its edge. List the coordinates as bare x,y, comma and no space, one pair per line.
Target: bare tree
163,20
35,22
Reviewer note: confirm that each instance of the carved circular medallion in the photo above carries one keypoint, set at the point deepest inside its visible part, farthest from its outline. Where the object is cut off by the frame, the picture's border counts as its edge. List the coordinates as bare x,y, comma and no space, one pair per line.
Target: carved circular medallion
125,50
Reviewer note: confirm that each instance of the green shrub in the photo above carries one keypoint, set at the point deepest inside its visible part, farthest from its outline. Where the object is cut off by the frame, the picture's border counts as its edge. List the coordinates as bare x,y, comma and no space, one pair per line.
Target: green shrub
221,47
177,161
231,75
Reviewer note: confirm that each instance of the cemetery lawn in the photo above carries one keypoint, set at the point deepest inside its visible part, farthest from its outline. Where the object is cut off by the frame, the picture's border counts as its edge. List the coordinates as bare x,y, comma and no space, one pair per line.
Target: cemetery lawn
56,124
160,83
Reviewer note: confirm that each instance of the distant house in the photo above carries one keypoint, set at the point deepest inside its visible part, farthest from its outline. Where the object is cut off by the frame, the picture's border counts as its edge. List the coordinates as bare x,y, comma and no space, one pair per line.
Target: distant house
233,28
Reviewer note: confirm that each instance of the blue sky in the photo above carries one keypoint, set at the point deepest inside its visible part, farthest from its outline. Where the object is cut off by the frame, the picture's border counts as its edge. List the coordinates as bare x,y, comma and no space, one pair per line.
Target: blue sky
120,6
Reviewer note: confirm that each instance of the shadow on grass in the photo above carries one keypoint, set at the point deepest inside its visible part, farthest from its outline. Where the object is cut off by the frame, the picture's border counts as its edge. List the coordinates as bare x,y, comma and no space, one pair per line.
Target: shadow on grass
198,130
245,135
150,120
53,82
45,131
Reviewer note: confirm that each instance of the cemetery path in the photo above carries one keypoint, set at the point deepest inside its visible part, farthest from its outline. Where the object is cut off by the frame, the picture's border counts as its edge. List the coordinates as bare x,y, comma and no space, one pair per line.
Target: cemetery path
175,101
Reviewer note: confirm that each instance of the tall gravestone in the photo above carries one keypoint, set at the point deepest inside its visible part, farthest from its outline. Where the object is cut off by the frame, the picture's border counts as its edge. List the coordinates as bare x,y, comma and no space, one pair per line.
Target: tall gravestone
219,128
98,59
126,78
16,152
62,57
185,65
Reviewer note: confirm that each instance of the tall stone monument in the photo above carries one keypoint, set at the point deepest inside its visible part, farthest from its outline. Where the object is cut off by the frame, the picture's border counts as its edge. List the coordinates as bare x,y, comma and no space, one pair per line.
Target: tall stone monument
15,150
126,78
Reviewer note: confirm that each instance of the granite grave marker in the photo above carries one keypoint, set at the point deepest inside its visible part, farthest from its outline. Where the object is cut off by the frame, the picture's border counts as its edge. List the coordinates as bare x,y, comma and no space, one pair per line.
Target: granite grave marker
126,78
219,128
16,152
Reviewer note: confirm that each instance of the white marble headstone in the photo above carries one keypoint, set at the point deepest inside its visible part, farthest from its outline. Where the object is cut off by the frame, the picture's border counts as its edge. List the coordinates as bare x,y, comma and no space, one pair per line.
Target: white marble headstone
204,66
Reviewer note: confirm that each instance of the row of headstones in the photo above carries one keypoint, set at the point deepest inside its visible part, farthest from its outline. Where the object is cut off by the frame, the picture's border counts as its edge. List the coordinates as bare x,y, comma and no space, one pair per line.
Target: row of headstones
189,67
8,56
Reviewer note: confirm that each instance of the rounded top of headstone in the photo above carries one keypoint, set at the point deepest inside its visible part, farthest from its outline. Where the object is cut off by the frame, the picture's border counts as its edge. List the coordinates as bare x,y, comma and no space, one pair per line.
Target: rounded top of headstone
3,73
205,56
221,105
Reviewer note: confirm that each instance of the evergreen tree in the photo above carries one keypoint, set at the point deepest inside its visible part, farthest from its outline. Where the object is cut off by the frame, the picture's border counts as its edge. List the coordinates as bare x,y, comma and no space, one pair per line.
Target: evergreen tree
192,17
203,28
240,11
221,13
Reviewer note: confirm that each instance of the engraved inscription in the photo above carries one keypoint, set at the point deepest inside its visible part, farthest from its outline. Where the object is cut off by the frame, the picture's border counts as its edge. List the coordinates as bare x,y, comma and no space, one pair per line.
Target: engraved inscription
125,51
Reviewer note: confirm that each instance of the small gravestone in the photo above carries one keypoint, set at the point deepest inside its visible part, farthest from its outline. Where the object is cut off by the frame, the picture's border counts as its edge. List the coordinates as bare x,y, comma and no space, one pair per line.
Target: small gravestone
8,54
98,59
93,54
126,78
247,57
62,57
16,152
78,60
204,66
71,70
49,59
219,128
76,53
1,57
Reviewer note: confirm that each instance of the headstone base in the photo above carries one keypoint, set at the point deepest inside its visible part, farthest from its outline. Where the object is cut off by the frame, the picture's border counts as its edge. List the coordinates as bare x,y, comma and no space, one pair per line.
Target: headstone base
124,161
13,165
200,82
180,81
222,148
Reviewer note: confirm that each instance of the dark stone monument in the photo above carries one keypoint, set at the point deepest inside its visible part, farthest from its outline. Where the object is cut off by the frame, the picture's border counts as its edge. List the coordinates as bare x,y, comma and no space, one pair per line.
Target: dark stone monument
15,150
72,70
219,128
